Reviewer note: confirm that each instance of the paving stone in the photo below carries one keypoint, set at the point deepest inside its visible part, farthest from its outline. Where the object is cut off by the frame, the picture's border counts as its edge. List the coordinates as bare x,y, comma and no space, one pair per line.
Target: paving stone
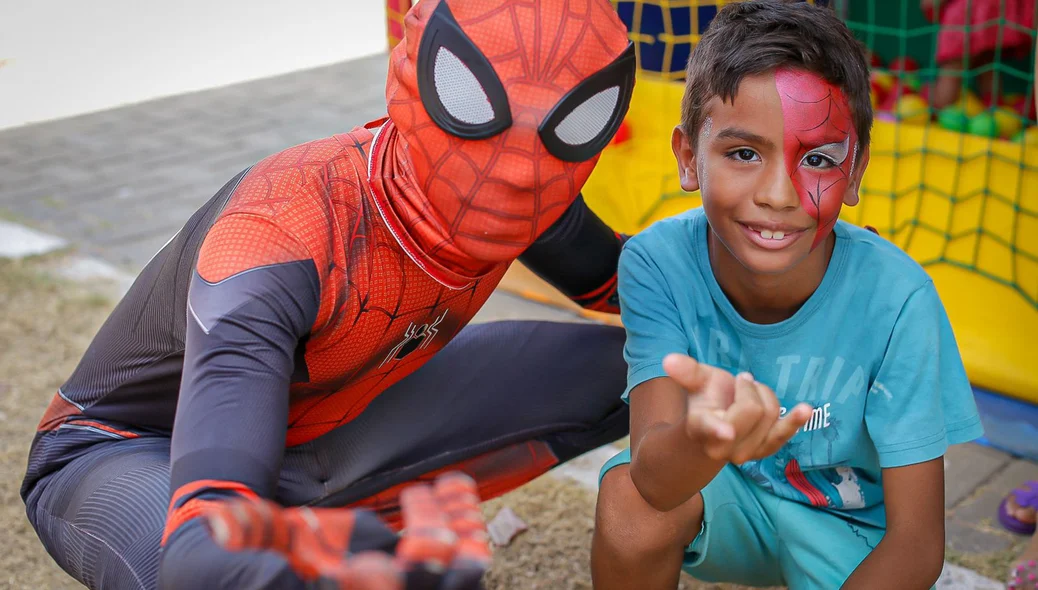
968,538
85,175
981,507
954,577
967,467
505,306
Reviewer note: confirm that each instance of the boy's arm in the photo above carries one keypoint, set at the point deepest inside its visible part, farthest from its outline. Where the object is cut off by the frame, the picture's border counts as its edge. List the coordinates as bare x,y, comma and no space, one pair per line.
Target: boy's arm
920,402
667,467
720,419
687,419
911,554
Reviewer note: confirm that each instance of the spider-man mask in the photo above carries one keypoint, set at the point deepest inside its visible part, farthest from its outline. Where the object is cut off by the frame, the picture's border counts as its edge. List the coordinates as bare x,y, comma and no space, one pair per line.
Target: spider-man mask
497,114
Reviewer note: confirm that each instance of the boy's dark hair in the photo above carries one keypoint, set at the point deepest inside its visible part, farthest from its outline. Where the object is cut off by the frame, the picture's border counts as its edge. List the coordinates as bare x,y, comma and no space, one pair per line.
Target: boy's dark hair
758,36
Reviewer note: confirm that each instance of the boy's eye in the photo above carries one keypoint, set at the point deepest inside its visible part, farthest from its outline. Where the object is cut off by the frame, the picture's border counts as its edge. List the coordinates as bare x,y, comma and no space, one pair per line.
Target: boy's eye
818,161
744,155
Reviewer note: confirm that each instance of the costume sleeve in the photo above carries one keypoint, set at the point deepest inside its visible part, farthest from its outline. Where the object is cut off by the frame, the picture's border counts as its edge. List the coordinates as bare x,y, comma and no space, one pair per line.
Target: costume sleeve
578,256
253,297
649,315
920,401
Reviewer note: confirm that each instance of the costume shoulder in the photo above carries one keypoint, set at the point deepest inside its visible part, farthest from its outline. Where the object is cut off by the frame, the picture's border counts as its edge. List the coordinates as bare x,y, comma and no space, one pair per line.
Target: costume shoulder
288,206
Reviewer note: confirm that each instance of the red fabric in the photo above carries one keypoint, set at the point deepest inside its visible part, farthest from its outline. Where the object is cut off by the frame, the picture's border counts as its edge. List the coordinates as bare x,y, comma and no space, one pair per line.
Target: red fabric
485,201
982,17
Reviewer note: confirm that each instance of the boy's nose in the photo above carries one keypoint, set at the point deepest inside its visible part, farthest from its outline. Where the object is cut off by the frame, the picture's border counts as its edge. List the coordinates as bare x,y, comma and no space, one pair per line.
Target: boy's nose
778,193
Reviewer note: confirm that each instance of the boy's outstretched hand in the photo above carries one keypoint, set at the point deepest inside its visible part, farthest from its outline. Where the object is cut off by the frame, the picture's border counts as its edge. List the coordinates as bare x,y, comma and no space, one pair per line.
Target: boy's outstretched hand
735,419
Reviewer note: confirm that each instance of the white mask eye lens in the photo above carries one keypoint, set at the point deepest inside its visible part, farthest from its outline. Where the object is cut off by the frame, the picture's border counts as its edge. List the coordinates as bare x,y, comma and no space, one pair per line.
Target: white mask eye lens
459,91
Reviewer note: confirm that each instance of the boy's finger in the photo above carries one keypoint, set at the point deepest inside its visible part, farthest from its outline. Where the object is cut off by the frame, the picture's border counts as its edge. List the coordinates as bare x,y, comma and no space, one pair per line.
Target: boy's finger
746,411
708,427
786,428
765,410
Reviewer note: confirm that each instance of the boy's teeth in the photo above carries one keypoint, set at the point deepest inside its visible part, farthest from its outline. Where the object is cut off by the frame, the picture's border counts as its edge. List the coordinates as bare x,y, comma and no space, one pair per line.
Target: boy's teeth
767,234
778,235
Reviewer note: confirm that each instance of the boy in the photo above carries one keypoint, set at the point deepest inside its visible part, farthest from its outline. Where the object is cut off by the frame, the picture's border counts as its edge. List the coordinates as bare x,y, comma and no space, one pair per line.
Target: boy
820,464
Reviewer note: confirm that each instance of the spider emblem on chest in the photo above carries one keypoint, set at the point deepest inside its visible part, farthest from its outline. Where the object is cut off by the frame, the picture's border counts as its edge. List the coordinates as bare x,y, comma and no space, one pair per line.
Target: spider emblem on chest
415,337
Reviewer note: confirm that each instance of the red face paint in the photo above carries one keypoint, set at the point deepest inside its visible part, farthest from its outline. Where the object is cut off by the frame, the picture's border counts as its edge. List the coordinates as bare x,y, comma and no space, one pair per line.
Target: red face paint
819,143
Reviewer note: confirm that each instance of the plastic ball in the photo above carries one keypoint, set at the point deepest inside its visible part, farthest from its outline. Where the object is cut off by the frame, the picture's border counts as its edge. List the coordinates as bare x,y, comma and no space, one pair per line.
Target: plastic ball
1007,120
1025,106
903,64
896,94
1010,99
971,104
875,61
983,125
912,109
953,118
885,80
912,81
877,90
1027,136
623,133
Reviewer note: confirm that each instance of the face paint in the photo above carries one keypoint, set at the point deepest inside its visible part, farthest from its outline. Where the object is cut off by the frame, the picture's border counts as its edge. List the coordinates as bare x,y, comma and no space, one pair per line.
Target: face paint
820,144
704,137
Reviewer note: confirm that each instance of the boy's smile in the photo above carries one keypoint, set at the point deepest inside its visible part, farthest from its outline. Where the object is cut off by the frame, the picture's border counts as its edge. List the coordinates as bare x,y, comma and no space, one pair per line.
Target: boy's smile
774,167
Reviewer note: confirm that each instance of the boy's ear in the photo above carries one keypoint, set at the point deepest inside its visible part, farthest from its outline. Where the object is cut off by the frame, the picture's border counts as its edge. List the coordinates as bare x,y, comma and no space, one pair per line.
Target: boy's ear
686,159
854,186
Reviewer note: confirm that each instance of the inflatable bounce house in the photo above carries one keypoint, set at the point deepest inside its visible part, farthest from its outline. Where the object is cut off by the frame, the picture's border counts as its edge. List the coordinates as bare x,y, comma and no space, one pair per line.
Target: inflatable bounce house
956,188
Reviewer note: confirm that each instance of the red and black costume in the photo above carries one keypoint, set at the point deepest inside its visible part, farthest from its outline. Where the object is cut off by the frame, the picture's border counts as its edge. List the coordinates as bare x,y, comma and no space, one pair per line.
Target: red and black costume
302,338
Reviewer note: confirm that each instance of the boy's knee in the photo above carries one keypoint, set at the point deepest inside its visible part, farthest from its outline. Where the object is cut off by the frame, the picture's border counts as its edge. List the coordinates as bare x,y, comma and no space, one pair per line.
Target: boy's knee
626,525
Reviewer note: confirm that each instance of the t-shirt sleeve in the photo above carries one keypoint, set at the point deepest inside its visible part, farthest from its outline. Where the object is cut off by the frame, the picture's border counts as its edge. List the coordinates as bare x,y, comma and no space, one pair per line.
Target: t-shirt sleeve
921,400
649,315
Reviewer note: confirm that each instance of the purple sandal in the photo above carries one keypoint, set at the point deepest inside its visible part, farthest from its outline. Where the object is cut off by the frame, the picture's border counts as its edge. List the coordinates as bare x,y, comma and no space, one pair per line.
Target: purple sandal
1026,497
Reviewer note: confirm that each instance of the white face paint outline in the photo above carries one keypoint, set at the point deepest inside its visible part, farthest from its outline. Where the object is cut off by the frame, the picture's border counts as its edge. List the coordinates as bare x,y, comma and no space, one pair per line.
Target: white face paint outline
836,151
704,135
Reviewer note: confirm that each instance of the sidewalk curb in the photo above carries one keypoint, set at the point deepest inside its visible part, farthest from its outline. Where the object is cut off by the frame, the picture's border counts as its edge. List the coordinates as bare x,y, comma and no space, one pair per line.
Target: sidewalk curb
18,242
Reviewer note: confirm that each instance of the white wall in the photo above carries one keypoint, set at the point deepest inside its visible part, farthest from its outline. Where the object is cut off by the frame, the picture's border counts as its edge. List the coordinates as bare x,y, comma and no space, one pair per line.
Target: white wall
66,57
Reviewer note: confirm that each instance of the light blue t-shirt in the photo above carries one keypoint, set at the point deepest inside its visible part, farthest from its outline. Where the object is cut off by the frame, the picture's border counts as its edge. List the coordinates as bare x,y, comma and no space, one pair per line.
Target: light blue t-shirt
871,350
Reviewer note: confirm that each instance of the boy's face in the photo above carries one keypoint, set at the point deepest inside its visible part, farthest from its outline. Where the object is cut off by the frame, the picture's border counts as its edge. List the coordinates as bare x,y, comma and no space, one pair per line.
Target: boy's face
774,167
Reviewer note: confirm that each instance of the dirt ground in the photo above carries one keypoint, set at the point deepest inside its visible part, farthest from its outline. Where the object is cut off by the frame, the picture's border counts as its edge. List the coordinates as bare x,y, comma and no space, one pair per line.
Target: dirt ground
44,327
46,324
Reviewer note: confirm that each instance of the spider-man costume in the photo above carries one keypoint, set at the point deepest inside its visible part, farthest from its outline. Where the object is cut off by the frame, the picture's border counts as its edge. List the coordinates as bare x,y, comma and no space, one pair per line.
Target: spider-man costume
302,339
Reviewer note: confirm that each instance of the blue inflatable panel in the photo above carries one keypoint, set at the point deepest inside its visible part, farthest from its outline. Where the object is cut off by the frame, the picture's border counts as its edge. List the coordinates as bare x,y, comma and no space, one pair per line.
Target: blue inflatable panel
651,34
1010,425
